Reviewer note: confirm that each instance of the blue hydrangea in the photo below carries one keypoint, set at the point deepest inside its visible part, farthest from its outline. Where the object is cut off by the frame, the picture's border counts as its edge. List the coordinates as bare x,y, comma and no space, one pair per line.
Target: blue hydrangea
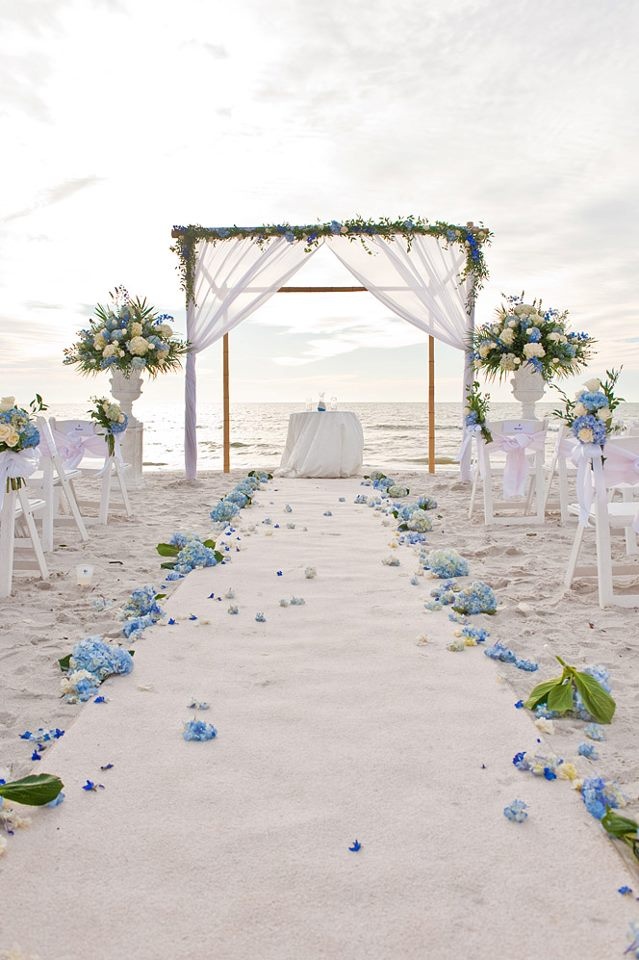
100,659
224,511
593,401
516,811
598,793
426,503
238,497
361,498
588,750
595,731
199,730
596,429
446,563
478,634
476,598
505,655
194,555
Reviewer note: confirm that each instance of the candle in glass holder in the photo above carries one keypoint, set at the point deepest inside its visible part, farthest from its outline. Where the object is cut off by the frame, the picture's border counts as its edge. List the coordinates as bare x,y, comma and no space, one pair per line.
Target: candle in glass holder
84,574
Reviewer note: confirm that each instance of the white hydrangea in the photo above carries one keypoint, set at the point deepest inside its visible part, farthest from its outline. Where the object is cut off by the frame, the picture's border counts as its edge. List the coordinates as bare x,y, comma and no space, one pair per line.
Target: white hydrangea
508,361
533,350
164,330
138,346
111,350
507,336
136,329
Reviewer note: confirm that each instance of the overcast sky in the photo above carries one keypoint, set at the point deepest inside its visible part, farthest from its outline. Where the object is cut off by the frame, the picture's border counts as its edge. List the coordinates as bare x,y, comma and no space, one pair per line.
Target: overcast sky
119,118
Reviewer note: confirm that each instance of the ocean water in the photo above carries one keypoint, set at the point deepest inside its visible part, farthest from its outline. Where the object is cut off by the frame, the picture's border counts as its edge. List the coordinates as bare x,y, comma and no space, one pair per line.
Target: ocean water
395,434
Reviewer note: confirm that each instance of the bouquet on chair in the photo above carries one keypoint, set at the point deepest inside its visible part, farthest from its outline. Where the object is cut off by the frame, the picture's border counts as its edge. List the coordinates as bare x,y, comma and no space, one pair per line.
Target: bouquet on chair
476,411
590,415
18,438
128,334
109,417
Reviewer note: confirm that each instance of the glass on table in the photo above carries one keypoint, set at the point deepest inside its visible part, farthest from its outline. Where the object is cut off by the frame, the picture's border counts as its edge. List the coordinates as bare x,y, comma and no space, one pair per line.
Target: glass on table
333,402
309,403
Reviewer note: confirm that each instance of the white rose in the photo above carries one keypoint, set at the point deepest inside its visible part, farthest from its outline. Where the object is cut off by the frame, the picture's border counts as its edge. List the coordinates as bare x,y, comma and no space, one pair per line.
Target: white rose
110,350
604,414
484,350
593,385
533,350
8,435
517,361
7,403
580,410
136,329
586,435
164,330
138,346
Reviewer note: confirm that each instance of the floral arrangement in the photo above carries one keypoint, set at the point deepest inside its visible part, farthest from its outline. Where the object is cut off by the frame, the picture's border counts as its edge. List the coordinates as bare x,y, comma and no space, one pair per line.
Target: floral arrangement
90,662
527,334
446,563
590,414
477,598
470,238
18,433
127,334
142,610
109,417
476,411
559,695
188,552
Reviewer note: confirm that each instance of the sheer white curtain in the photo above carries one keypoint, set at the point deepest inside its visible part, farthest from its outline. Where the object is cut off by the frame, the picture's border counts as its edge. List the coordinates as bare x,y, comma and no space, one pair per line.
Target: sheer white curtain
420,284
232,279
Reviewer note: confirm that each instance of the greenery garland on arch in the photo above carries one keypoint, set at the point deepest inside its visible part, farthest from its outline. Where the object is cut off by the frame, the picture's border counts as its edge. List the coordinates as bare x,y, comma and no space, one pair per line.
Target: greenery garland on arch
470,237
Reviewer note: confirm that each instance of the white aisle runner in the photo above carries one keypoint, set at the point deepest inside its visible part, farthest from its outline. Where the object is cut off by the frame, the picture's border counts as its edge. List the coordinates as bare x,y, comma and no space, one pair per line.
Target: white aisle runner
334,725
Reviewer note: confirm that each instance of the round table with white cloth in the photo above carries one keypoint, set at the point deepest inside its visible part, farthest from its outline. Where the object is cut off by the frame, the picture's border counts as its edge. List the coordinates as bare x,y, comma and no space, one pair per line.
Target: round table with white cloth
328,444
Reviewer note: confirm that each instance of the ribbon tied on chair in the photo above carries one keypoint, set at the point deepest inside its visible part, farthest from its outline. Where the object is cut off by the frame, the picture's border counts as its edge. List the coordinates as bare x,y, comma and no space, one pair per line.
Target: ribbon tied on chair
75,447
516,446
16,465
621,466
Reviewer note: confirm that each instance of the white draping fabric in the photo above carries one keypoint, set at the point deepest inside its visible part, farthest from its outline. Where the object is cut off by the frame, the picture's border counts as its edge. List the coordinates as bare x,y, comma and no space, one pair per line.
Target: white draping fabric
16,464
516,469
329,444
420,284
232,279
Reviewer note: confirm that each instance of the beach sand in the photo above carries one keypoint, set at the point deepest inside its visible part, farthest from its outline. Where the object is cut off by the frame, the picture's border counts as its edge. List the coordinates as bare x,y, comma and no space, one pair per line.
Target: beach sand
336,721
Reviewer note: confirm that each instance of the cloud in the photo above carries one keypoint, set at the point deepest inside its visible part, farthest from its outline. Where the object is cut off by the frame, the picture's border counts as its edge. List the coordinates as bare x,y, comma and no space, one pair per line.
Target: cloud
53,195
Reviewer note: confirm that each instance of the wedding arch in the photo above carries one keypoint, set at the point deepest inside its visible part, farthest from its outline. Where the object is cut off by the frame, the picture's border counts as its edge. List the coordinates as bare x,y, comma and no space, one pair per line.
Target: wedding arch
427,273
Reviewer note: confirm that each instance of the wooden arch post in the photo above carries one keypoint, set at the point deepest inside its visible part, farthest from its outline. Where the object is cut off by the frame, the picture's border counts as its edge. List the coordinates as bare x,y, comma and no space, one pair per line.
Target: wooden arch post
431,404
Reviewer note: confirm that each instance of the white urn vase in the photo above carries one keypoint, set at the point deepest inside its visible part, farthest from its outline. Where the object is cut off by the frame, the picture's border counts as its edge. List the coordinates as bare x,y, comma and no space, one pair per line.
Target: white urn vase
127,389
528,387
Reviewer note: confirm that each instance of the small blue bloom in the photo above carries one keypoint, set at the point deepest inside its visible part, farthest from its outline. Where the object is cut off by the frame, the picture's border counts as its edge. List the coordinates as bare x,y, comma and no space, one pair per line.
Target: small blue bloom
355,846
519,704
100,700
260,618
588,750
516,811
192,617
199,730
35,755
624,891
171,622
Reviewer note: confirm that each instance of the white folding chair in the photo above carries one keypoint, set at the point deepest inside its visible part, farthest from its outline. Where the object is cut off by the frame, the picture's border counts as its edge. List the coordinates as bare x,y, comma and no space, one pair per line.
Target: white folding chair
520,446
19,511
52,478
597,475
560,469
87,450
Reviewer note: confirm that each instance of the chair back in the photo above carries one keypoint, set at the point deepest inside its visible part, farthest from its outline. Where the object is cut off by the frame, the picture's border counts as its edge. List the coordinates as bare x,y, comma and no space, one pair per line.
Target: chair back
507,428
76,439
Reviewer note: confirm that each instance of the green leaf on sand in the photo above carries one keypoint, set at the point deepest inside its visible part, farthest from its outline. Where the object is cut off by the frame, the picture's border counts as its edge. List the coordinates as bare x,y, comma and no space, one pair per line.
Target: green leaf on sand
540,692
65,662
167,550
560,698
34,791
597,701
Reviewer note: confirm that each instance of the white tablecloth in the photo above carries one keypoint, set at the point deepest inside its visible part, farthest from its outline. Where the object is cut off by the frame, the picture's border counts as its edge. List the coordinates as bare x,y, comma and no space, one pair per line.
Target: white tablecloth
329,444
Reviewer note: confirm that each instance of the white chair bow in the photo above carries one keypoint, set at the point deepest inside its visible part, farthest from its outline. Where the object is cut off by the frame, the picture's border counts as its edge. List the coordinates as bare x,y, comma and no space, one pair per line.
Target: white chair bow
517,467
15,464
